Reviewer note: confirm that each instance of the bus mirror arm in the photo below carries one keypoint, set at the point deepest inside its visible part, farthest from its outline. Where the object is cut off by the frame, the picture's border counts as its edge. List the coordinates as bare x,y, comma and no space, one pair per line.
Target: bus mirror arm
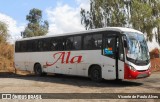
125,43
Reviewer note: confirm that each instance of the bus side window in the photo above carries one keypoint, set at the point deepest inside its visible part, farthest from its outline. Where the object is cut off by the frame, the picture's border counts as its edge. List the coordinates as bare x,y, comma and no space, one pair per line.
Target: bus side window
29,46
46,44
23,46
77,42
92,41
53,44
98,41
40,45
89,42
69,43
60,44
34,45
17,46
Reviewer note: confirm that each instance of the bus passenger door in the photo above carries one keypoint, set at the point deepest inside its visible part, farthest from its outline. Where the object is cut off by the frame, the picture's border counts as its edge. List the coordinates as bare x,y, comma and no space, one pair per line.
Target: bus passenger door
120,59
109,52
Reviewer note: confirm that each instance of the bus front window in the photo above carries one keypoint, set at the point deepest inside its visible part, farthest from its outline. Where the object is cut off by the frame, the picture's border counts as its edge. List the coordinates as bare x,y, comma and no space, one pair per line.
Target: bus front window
137,49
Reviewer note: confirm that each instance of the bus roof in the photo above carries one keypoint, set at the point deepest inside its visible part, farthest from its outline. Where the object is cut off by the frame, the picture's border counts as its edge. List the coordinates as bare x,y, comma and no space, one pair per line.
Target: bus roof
119,29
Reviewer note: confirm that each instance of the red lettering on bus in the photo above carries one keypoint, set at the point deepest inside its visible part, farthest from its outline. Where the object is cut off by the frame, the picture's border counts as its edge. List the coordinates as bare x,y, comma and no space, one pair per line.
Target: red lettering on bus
68,55
76,59
60,56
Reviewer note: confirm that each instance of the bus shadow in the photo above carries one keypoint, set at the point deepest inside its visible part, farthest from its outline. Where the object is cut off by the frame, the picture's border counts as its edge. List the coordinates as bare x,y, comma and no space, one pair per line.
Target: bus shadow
72,80
7,74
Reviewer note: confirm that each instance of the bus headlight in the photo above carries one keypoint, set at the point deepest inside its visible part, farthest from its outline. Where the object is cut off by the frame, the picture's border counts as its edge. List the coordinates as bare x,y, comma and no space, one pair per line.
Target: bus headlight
132,68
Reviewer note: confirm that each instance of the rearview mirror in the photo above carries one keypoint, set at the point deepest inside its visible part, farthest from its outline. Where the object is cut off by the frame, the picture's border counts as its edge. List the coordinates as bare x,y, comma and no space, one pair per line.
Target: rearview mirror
121,57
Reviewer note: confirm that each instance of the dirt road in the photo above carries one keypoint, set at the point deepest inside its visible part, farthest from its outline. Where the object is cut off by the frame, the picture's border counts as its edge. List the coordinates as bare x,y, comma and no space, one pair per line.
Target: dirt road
11,83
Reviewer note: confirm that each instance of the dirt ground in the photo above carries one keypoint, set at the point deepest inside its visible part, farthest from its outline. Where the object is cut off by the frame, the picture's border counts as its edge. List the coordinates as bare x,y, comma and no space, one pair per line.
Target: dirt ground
21,83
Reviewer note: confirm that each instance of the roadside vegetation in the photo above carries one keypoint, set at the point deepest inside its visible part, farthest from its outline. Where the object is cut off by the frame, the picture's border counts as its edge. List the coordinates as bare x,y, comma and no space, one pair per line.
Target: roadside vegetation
6,49
155,60
35,27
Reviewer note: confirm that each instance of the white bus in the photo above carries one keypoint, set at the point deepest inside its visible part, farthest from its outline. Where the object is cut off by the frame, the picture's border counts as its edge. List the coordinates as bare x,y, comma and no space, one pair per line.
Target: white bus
106,53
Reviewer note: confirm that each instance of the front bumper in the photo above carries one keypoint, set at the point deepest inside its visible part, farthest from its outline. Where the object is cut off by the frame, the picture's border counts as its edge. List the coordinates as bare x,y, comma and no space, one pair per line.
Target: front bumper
130,74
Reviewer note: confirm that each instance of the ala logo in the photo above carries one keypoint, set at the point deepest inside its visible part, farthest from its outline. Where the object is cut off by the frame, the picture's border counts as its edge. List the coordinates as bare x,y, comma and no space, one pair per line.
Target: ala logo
65,58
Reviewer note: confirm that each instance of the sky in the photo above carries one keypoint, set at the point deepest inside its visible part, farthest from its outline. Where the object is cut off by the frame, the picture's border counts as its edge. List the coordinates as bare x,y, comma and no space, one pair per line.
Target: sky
63,15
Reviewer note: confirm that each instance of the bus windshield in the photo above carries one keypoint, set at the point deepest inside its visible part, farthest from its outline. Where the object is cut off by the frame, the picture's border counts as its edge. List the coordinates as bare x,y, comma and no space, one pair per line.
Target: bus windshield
137,48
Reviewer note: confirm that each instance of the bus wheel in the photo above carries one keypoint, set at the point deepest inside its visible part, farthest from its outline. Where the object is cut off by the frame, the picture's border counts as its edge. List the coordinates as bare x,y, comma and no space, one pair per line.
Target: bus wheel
38,70
95,74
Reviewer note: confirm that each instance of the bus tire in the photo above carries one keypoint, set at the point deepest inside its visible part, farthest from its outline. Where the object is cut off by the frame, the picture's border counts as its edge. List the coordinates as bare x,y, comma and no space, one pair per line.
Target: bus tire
95,73
38,70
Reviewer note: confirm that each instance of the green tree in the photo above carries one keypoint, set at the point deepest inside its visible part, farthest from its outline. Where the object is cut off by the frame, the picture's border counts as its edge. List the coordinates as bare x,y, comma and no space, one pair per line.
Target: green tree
104,13
155,4
143,15
142,18
3,32
35,27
